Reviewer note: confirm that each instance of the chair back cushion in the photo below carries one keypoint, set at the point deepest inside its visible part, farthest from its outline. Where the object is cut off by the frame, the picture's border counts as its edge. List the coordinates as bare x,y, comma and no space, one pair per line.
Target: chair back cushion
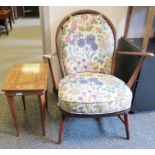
87,44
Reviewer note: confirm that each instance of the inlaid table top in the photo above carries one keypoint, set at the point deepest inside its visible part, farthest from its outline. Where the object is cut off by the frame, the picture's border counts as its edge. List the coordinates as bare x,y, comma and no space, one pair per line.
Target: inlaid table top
27,77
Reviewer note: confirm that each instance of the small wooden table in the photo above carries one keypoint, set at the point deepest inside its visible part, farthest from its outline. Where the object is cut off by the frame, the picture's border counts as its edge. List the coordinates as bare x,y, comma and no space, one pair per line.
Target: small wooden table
4,15
23,80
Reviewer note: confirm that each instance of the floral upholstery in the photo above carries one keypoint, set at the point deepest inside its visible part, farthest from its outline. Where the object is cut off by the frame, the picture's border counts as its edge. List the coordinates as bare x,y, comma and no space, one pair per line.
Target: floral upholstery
87,44
93,93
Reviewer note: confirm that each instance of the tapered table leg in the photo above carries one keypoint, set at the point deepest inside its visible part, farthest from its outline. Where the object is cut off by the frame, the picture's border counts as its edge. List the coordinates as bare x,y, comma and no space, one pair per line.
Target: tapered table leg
46,97
23,99
11,104
42,112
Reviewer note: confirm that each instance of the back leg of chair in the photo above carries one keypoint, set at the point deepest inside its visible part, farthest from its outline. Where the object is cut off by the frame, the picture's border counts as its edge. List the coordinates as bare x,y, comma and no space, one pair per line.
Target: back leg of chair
126,123
61,128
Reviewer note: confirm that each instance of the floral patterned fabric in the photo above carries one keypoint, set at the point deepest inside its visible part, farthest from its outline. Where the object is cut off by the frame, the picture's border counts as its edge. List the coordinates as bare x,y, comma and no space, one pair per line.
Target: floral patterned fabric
87,44
93,93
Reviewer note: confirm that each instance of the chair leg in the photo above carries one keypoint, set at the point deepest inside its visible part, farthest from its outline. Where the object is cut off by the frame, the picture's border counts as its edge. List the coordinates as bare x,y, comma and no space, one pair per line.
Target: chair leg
126,123
61,128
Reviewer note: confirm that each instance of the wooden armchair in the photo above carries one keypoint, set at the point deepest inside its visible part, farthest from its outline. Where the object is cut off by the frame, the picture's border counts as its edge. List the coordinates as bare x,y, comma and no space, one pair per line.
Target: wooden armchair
86,47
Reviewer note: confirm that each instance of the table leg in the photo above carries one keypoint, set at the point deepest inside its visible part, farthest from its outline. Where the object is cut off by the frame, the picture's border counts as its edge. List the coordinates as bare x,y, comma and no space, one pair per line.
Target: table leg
10,22
42,112
23,99
46,98
13,112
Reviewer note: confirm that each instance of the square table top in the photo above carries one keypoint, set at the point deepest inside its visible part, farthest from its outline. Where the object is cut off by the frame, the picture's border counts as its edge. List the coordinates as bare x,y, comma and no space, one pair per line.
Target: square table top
27,77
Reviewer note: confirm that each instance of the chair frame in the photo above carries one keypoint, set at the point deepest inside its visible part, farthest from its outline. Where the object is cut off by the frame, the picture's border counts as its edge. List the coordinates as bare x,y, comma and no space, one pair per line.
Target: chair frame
119,114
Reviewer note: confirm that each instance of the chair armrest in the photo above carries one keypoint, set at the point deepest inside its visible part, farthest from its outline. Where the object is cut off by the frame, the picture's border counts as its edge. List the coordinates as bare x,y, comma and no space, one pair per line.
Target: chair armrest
48,57
145,54
139,66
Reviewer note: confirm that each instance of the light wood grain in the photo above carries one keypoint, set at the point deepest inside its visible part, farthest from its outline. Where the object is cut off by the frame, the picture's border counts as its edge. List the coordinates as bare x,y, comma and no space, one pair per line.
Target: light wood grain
23,80
27,77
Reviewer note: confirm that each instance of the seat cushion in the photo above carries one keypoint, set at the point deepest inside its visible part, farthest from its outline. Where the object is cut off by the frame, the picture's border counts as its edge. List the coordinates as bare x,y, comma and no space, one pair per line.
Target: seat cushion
93,93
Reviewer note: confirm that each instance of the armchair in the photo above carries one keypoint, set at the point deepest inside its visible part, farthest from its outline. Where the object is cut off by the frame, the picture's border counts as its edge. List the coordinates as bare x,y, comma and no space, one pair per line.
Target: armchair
86,48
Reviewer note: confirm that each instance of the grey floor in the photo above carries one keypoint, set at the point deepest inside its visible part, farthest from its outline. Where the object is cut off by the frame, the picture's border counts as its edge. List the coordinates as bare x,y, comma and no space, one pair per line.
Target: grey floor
79,133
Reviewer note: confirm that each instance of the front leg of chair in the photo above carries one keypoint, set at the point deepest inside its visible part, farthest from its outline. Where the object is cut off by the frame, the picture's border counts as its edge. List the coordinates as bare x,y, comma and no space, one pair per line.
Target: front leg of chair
61,128
126,123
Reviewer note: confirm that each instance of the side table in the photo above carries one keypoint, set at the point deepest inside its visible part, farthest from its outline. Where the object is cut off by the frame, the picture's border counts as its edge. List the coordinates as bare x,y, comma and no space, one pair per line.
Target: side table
23,80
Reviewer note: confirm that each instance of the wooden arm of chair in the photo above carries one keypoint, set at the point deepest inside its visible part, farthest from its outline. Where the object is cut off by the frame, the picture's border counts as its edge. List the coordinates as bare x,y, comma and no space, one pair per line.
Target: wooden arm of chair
137,69
146,54
48,57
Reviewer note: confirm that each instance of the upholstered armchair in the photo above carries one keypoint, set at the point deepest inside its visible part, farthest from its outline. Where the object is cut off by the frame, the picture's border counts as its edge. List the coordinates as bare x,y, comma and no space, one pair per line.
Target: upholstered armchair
86,47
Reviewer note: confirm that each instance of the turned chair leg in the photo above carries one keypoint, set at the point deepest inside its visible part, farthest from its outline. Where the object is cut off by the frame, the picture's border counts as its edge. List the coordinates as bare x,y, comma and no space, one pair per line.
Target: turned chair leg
61,128
126,123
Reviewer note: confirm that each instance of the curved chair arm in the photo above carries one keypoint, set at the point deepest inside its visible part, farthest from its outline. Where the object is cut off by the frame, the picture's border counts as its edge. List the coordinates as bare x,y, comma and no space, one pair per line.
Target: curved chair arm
48,57
137,69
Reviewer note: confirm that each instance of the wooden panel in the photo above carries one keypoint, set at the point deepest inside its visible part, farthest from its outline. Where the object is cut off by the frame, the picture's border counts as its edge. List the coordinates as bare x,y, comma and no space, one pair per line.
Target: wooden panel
148,27
27,77
128,19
